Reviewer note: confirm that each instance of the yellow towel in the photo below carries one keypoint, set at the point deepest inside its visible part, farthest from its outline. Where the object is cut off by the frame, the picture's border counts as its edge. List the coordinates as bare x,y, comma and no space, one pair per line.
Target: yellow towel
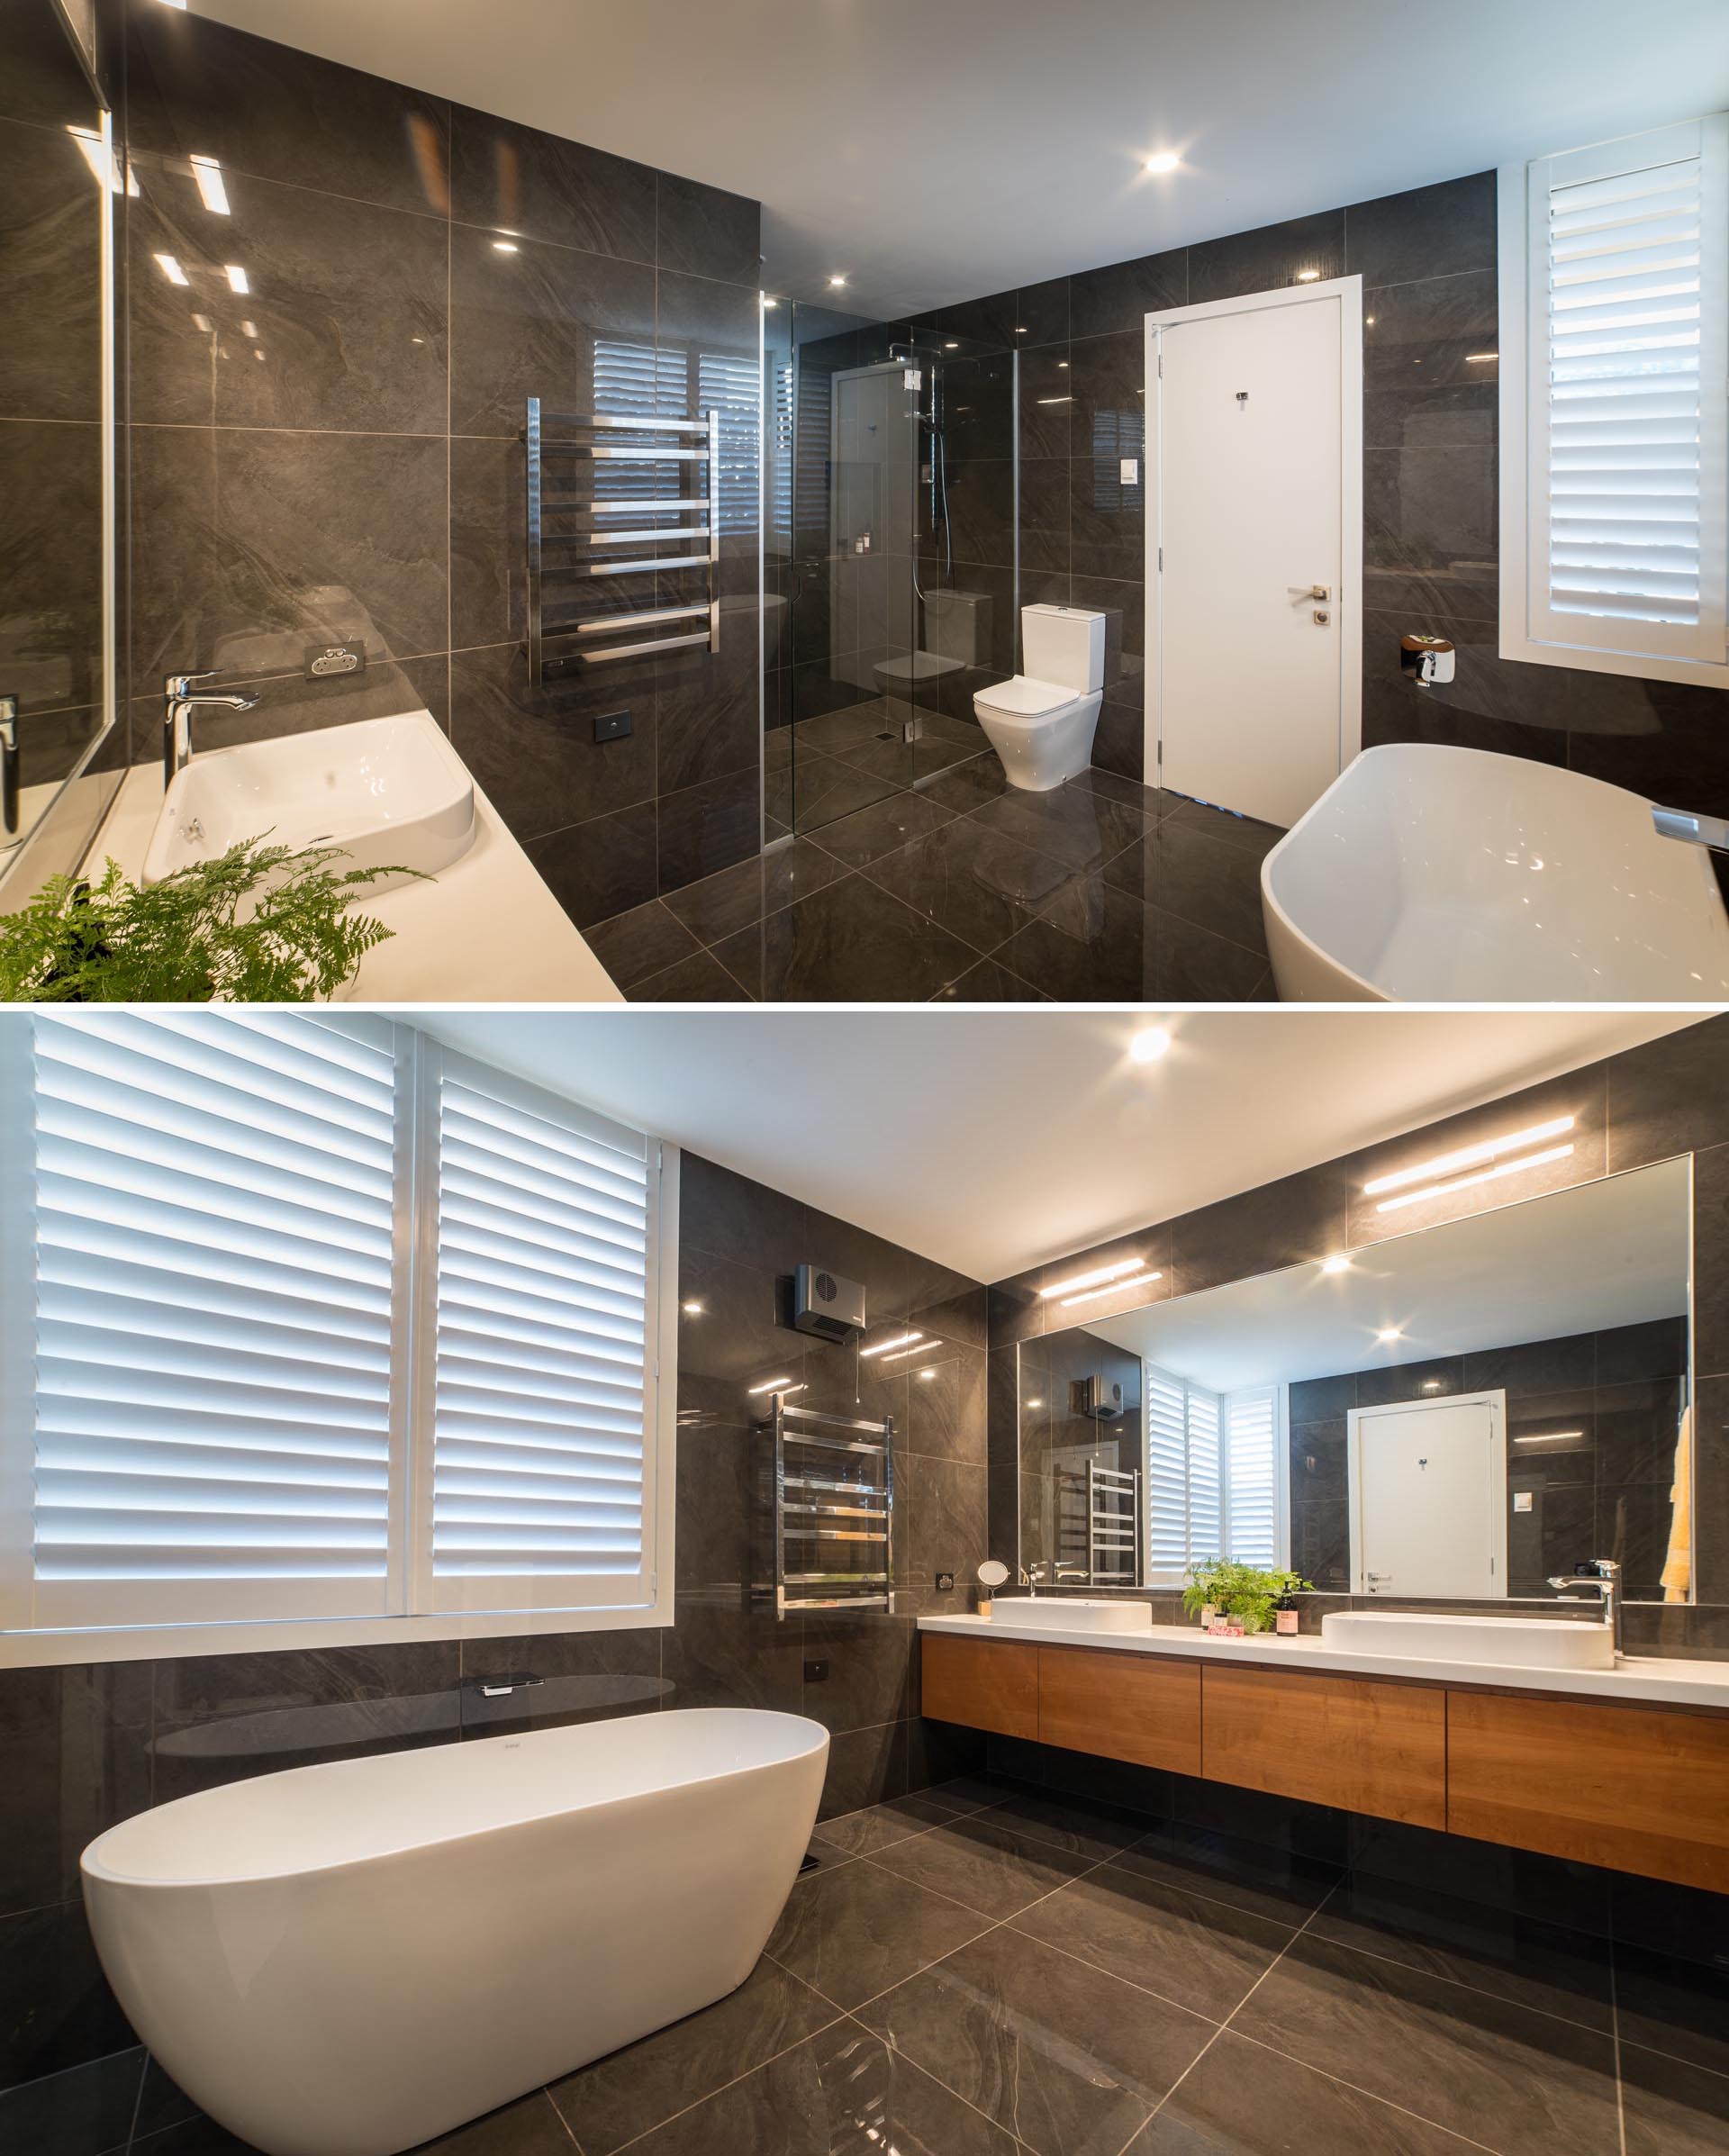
1678,1566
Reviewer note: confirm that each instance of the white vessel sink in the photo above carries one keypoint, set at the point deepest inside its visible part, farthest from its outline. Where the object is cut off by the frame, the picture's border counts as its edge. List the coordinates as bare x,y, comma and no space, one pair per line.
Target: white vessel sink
1064,1613
389,791
1433,874
1512,1642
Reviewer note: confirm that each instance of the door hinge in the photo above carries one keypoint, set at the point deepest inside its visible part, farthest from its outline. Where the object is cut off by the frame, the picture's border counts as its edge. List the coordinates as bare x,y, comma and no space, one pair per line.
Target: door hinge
1161,561
1158,362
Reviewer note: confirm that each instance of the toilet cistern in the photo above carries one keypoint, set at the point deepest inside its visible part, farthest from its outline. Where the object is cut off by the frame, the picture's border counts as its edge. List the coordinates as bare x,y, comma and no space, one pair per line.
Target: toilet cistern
1041,723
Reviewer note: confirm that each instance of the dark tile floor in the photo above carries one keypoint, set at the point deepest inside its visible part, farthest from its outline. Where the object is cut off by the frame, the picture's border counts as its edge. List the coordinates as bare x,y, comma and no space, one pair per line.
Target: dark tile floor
987,1970
962,888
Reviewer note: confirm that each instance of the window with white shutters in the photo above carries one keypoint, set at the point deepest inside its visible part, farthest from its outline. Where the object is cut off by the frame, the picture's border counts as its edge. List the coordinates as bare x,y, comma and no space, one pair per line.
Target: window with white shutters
306,1322
1252,1475
1615,318
536,1323
1167,1473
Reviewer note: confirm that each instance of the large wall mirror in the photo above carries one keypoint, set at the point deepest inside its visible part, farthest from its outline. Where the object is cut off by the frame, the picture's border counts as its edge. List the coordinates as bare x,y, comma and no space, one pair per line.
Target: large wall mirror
1464,1412
58,182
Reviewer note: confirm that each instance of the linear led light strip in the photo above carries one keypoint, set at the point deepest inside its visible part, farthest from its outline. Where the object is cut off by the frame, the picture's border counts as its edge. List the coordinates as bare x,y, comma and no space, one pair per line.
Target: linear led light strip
883,1347
920,1346
1139,1280
1439,1175
1088,1279
1553,1438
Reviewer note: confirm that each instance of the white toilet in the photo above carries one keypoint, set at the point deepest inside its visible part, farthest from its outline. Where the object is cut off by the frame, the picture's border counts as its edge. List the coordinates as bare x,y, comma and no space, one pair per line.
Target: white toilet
1041,723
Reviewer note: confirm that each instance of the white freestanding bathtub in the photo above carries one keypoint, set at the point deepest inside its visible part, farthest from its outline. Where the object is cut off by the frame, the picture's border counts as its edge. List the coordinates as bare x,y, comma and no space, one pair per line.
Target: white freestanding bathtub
1427,873
346,1960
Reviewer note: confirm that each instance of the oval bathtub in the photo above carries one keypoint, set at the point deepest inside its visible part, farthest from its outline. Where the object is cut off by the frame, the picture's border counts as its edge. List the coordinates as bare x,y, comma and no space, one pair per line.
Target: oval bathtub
347,1960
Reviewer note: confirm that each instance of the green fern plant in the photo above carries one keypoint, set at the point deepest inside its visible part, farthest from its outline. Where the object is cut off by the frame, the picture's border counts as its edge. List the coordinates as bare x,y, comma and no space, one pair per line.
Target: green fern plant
257,924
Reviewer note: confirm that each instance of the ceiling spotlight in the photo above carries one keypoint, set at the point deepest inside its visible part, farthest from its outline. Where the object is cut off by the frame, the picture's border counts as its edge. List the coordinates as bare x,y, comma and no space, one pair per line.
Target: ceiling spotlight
505,247
693,1309
836,282
1308,277
1163,160
1148,1046
768,303
1338,1263
954,347
1390,1332
927,1375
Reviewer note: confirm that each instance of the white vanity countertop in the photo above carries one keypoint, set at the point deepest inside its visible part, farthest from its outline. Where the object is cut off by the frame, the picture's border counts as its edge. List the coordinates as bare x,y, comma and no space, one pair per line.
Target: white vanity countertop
1655,1679
487,930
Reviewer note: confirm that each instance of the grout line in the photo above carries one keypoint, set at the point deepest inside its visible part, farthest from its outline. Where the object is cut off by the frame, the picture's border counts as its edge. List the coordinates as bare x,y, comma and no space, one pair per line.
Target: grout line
894,2050
1464,2140
1244,2001
1615,2032
840,2014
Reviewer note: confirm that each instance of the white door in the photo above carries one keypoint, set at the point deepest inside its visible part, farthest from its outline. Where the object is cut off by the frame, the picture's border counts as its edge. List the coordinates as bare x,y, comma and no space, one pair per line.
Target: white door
1254,507
1428,1498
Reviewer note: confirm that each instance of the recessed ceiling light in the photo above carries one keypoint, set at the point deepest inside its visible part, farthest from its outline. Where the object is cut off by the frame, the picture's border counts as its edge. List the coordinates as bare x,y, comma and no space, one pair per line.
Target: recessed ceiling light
1035,1403
954,347
505,247
769,303
172,270
1308,277
1087,1280
1163,160
1480,358
693,1309
1390,1332
779,1384
237,277
1338,1263
1148,1046
927,1375
837,281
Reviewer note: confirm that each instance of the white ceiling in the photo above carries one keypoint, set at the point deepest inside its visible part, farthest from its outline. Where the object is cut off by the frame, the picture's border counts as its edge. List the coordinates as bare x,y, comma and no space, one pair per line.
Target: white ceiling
936,153
995,1141
1607,1253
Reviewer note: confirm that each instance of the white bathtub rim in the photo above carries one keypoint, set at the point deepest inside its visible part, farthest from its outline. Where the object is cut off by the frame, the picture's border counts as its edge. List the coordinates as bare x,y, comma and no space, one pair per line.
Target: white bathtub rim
407,1844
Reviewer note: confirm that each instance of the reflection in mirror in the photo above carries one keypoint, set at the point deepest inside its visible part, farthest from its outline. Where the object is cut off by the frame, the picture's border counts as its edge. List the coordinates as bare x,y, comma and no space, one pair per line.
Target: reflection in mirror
56,182
1467,1412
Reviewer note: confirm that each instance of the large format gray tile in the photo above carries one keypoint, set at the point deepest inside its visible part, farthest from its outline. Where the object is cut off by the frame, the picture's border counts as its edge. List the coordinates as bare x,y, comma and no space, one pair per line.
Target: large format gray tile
881,1826
860,1929
50,245
1533,1964
1524,2082
1244,2100
989,1866
1202,1953
624,2094
1673,2005
850,943
1066,2058
841,2090
1671,2109
976,883
523,181
1265,1880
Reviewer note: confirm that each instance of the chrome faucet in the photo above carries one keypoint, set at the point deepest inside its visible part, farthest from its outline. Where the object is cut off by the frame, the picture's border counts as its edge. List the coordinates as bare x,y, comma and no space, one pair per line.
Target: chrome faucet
1603,1574
1032,1580
1709,831
176,722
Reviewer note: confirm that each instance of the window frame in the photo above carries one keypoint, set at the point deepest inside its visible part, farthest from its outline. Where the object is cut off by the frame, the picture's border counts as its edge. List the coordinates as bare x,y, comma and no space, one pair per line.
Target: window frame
1522,381
418,1058
1164,1575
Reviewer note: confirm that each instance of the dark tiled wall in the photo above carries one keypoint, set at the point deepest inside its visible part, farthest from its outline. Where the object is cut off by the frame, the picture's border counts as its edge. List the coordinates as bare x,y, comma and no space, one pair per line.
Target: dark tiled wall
334,456
83,1747
1606,1495
1431,538
1650,1103
1048,1369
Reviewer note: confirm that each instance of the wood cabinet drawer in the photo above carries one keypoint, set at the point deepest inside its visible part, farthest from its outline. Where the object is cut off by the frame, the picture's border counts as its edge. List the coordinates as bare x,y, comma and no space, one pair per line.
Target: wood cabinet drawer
1630,1787
987,1684
1132,1707
1348,1741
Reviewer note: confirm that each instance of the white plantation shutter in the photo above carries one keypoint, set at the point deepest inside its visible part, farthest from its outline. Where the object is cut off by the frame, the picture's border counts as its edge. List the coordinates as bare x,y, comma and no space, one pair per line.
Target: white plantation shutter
1206,1477
537,1313
733,386
305,1321
1626,373
1167,1473
213,1276
1251,1470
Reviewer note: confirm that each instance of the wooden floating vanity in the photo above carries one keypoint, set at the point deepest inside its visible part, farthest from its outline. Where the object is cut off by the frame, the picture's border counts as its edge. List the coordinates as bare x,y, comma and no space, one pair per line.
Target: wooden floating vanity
1638,1788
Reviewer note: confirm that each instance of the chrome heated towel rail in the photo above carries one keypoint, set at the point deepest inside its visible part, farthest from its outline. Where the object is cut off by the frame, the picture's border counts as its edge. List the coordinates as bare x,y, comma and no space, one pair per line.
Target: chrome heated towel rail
558,435
834,1495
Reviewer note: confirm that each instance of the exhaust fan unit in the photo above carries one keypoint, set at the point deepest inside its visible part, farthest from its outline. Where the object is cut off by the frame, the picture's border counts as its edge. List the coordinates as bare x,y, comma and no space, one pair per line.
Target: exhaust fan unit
825,1304
1091,1397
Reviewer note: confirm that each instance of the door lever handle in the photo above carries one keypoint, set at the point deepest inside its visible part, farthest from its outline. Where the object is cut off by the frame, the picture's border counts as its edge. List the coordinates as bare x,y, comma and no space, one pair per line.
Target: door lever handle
1309,590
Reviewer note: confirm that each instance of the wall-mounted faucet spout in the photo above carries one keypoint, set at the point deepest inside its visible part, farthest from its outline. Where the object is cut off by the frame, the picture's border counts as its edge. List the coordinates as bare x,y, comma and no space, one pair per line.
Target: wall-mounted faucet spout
1712,831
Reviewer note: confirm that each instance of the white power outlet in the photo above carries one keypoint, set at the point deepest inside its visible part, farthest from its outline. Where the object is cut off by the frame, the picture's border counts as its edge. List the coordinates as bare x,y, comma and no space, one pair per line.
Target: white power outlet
1128,471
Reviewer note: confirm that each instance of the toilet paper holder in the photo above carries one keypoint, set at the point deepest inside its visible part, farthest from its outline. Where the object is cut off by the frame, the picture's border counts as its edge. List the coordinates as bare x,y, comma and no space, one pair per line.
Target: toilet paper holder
1427,660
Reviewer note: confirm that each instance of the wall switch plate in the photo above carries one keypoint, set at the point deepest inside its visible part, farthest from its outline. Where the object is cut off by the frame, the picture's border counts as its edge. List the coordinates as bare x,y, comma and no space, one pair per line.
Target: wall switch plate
322,660
815,1672
613,726
1521,1501
1128,471
945,1584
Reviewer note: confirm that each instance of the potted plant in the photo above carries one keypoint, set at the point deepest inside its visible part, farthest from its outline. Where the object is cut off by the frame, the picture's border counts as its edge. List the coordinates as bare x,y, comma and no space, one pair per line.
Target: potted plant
257,924
1245,1597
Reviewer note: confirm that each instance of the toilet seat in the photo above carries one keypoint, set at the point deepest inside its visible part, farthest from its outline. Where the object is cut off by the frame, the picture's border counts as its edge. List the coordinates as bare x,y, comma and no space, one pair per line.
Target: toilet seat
1026,697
